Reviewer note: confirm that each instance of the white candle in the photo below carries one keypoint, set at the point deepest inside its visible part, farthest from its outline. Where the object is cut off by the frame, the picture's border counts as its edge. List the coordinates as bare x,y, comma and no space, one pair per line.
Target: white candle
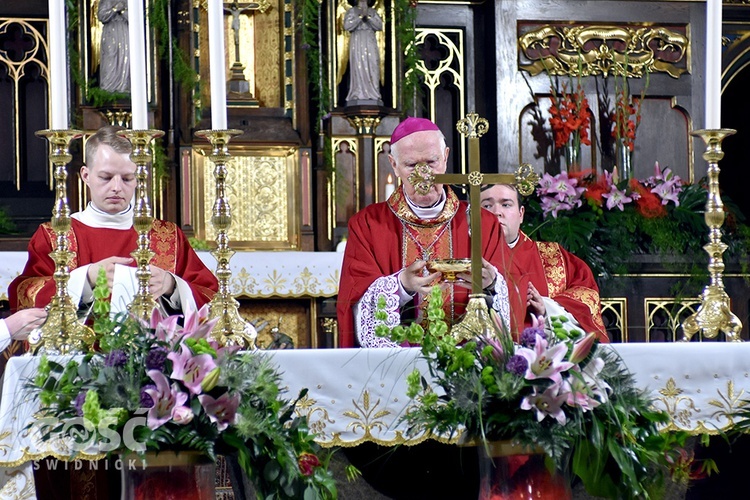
390,187
218,67
137,53
58,64
713,64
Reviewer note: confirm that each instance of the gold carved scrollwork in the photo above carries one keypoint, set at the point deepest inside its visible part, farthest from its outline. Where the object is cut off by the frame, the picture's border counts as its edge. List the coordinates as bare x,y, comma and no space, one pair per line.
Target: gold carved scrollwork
601,50
526,179
472,126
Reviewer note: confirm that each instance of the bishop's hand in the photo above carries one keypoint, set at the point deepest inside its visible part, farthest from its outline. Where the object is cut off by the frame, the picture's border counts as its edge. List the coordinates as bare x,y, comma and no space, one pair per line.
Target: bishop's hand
489,275
414,281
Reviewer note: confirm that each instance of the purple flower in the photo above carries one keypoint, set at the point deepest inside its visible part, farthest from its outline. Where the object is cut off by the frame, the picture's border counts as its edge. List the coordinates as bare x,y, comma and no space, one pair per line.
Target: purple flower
528,336
116,358
546,403
156,358
146,400
517,365
78,402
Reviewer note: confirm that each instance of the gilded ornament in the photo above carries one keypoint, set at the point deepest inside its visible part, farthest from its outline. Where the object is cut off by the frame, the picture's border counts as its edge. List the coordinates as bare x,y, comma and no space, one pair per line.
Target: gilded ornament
588,50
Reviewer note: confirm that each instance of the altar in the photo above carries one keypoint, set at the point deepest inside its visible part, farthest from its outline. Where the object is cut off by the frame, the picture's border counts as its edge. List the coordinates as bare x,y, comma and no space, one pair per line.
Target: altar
358,396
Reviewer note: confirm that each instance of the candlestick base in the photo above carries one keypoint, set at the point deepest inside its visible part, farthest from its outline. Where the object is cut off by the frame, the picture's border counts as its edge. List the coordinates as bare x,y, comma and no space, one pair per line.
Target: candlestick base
714,314
143,303
475,321
231,328
61,332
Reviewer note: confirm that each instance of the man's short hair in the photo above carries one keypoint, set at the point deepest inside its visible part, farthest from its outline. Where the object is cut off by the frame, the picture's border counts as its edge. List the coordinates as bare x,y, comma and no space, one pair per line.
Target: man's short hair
107,135
519,196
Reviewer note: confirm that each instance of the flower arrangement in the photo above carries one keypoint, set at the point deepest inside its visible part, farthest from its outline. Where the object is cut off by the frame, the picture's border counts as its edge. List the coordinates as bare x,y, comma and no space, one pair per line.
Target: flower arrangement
570,119
623,126
556,390
604,220
166,387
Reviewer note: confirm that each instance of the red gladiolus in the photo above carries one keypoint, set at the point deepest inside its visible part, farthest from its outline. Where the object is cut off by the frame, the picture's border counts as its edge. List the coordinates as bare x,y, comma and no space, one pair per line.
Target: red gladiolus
307,463
648,204
569,115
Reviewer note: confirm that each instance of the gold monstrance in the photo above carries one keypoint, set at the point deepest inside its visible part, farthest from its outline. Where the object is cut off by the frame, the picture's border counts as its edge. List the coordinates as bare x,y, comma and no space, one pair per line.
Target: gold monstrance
231,329
714,314
61,333
143,303
422,178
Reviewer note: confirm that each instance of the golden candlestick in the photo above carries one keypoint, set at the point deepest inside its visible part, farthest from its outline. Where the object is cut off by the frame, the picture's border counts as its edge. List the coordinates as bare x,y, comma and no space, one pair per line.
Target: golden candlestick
61,333
231,328
143,303
714,314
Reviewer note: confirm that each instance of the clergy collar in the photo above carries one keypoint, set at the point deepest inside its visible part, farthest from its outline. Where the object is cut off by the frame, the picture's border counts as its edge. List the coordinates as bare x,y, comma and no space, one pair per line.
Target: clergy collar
513,243
94,217
410,214
427,213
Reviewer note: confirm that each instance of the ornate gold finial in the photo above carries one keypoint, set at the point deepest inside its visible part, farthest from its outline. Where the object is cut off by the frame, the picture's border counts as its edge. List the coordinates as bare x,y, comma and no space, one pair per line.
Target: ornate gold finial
231,329
143,303
472,126
365,125
422,178
714,314
61,333
526,179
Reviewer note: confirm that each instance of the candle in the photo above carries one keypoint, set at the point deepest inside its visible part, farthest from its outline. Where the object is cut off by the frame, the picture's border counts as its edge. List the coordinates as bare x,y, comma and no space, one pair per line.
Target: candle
58,81
137,40
713,64
216,58
390,187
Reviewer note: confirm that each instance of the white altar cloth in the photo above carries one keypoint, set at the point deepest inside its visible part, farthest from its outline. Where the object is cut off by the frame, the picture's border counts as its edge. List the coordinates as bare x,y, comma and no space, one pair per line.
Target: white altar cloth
254,274
359,395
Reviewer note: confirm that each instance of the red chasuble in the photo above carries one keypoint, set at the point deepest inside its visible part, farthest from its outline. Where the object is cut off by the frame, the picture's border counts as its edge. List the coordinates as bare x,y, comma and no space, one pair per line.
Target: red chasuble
35,286
563,277
387,237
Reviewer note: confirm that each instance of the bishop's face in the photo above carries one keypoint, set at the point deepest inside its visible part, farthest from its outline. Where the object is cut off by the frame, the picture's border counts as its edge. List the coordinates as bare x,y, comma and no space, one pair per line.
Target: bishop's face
427,146
111,180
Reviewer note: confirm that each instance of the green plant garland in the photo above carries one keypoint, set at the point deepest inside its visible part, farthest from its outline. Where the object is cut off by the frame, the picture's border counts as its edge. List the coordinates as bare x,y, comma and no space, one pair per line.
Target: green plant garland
406,36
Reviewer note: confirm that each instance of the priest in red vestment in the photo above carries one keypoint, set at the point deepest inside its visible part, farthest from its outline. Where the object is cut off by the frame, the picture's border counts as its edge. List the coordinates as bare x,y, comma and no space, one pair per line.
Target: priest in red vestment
390,243
559,283
102,236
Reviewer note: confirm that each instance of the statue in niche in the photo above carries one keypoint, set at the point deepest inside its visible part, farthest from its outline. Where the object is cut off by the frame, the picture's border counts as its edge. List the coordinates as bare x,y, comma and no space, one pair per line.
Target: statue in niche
114,66
362,21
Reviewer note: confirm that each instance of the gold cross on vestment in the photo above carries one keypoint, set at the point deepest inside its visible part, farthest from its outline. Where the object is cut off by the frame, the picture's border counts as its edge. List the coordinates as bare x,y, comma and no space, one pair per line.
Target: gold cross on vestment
422,178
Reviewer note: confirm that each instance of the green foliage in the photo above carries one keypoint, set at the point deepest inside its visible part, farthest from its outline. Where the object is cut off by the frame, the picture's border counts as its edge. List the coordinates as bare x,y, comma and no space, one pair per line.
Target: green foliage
406,18
603,432
160,361
607,239
7,226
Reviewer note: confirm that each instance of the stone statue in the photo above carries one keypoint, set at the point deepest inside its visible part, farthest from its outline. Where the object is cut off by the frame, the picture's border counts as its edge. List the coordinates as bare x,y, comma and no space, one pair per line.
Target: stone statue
114,68
362,21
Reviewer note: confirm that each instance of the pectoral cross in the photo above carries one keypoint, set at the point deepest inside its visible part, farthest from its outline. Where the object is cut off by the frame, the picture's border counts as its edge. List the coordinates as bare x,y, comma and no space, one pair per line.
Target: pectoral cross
422,178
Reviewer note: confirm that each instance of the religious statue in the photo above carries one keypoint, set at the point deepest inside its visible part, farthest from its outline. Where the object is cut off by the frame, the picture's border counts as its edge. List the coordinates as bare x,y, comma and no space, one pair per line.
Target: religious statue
362,21
114,69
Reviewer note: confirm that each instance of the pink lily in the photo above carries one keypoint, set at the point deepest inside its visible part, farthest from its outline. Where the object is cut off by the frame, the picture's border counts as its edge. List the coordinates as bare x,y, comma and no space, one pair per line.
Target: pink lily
165,400
164,328
546,403
582,348
182,415
189,368
223,410
197,324
543,362
578,391
616,198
